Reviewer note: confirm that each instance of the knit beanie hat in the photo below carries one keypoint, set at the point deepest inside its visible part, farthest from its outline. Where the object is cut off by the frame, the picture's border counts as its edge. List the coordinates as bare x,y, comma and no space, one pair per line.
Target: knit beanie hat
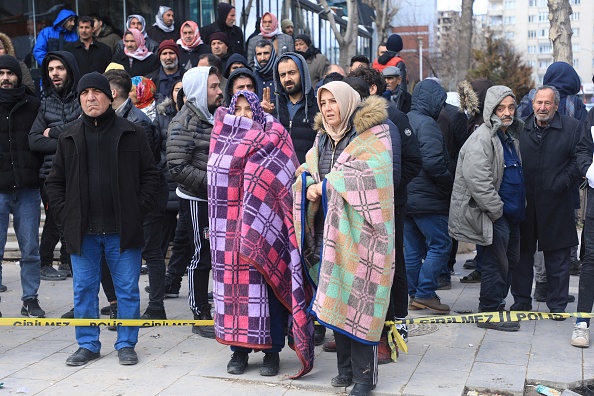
94,80
12,64
394,43
286,23
168,44
305,38
221,37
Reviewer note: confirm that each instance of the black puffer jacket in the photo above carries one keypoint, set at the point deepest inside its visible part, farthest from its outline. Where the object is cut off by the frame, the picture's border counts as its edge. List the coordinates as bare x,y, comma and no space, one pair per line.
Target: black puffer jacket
19,165
430,191
188,144
56,112
165,113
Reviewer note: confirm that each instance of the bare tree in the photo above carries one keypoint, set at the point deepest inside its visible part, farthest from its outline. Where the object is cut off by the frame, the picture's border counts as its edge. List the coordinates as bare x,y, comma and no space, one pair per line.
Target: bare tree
465,40
560,32
347,40
385,11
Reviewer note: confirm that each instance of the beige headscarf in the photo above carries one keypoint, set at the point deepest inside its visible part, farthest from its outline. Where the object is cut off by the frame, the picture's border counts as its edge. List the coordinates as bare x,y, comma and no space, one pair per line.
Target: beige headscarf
348,101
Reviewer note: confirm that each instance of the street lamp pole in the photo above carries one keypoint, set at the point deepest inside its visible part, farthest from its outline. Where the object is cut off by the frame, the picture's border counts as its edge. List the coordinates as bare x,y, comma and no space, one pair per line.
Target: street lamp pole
420,58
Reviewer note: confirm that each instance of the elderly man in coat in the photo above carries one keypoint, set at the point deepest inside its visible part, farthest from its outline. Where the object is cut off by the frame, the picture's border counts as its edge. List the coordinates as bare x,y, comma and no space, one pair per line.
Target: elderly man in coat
548,146
488,199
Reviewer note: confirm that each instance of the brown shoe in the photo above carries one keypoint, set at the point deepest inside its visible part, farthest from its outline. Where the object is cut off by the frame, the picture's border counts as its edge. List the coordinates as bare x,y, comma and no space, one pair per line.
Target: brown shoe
412,307
433,303
329,346
384,354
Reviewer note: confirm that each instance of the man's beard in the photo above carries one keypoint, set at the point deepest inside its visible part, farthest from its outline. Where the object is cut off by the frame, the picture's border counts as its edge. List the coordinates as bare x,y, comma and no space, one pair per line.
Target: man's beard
170,66
295,90
212,108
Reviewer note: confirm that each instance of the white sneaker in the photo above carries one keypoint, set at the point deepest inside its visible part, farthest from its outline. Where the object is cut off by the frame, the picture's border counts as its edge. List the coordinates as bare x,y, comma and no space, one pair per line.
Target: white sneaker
581,335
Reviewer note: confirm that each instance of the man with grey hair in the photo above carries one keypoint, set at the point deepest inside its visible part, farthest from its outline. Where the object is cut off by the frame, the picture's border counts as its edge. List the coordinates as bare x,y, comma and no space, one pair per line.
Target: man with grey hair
548,149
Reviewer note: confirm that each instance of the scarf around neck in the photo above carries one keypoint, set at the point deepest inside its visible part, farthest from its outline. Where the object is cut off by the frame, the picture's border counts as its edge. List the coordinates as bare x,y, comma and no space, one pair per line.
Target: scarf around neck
159,20
268,70
141,52
11,96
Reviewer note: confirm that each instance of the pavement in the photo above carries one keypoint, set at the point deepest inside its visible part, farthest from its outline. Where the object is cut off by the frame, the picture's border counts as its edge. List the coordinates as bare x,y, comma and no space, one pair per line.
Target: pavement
443,359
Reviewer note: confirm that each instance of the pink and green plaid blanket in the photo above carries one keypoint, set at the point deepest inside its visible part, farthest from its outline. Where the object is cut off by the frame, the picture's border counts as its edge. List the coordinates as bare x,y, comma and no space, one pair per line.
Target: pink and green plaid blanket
354,274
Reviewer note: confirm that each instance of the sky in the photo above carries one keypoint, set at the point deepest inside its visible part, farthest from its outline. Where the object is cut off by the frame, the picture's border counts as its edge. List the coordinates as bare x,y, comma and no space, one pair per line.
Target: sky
480,6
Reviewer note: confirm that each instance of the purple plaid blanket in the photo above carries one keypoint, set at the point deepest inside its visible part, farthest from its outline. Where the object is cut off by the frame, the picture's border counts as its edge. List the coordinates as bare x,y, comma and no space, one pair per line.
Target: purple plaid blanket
252,237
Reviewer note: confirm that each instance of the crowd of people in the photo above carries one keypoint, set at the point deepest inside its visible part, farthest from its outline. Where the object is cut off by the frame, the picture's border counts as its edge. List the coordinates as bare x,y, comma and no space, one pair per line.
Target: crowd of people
303,192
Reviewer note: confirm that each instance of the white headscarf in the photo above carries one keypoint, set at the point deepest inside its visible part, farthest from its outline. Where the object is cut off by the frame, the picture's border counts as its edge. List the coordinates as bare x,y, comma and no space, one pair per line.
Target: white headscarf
159,20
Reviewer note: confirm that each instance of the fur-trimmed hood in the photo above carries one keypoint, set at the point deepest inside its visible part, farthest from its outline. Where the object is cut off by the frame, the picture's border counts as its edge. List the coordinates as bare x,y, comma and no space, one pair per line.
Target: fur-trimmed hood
371,112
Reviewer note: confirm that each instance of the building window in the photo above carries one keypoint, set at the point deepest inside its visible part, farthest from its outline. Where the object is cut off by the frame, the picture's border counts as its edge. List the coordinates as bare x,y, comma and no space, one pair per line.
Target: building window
544,49
531,18
543,16
531,33
532,49
543,32
576,32
575,48
575,2
510,35
510,4
532,3
509,20
543,64
542,3
575,16
576,63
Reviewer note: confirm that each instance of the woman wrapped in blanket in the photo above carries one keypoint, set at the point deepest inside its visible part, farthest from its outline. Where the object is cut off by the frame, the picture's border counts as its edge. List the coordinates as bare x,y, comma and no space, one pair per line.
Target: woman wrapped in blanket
344,212
258,280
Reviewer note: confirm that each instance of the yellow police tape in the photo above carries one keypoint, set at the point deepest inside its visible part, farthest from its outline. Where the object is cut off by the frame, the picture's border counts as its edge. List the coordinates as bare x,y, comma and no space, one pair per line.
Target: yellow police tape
482,317
395,340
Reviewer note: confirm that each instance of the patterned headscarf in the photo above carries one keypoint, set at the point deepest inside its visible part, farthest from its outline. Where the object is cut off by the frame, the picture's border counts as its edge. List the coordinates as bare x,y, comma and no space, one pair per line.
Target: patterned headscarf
197,39
141,52
159,20
258,113
273,30
145,91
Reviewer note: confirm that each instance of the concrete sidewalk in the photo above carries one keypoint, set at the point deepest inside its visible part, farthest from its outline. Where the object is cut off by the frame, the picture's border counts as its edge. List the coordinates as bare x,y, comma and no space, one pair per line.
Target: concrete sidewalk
445,359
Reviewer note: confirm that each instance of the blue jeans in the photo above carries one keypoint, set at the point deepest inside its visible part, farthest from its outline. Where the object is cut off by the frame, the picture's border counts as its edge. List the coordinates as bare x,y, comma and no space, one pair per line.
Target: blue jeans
25,206
499,260
86,275
425,237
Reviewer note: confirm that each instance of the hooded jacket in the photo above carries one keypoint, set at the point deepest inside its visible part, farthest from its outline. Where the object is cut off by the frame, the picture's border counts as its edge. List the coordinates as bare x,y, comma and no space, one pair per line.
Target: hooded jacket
234,33
151,44
108,37
475,203
56,112
53,38
233,76
165,113
188,140
299,124
282,43
562,76
429,192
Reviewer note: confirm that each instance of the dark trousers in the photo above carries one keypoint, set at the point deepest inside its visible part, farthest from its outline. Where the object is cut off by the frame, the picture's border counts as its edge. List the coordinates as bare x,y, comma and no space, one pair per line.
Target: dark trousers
499,259
356,359
181,250
50,235
107,282
152,253
398,307
278,323
200,264
557,263
586,291
168,230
